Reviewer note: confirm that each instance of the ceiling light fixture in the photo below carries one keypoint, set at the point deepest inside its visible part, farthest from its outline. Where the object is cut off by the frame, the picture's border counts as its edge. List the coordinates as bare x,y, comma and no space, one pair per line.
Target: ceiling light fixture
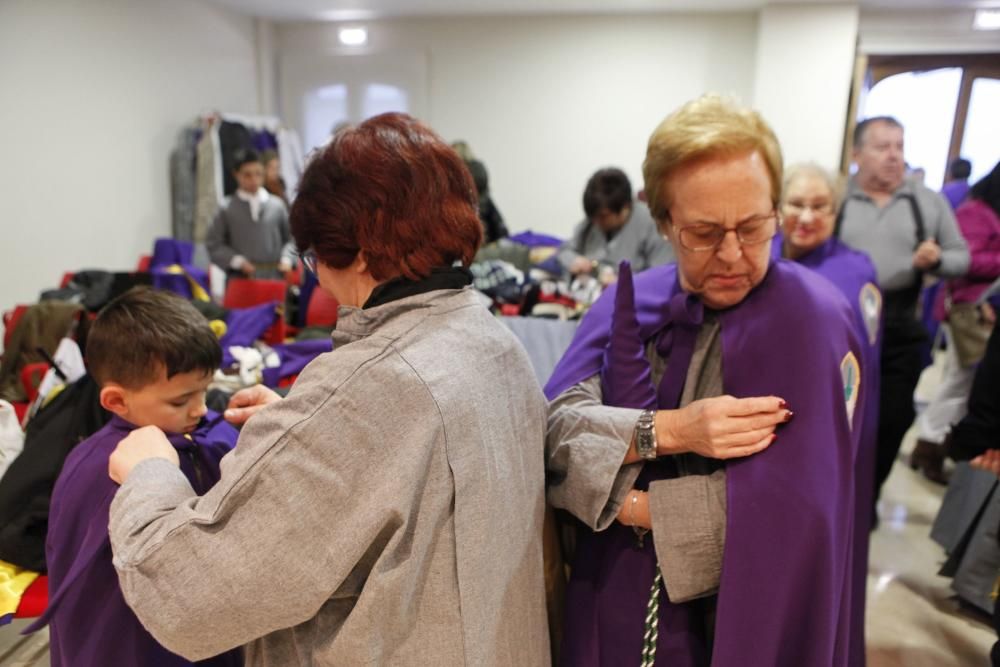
354,36
987,19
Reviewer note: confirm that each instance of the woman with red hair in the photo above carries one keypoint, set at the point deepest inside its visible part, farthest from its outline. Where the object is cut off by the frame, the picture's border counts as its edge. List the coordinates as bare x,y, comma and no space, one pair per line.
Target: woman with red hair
389,509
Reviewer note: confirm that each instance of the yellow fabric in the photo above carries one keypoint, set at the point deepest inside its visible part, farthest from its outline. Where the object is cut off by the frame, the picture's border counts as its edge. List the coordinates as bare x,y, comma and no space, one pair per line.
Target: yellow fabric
56,390
13,582
197,291
218,327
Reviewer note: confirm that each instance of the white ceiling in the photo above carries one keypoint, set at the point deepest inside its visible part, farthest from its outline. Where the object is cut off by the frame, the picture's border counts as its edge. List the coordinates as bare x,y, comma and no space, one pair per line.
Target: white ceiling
354,10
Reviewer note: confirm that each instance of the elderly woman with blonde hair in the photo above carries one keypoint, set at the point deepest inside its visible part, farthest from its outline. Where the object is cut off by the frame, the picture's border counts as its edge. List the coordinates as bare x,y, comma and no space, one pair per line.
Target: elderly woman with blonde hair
715,526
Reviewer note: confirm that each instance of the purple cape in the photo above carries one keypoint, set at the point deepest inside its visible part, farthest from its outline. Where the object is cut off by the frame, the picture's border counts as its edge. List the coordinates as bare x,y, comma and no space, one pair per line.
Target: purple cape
169,252
853,273
90,624
787,572
294,357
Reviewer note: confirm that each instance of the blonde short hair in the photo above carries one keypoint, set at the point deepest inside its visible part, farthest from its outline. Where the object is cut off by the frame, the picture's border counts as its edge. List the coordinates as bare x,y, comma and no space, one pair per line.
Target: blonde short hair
833,183
709,126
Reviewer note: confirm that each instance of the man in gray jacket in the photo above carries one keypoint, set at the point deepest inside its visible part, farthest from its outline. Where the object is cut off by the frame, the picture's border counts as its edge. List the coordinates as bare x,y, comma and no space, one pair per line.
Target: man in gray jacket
907,230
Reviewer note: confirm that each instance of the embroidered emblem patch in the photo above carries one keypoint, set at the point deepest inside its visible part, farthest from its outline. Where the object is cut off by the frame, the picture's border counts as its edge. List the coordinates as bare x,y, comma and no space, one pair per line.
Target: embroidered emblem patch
850,373
870,299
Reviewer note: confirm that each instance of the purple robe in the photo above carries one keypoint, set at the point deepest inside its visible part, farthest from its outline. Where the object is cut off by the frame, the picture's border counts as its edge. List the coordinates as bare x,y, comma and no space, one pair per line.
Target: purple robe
294,357
853,273
535,240
170,252
787,571
244,326
955,192
90,624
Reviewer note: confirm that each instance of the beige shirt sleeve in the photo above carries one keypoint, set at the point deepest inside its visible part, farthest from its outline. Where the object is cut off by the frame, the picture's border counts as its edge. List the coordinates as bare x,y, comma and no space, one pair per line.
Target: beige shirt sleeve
585,446
689,531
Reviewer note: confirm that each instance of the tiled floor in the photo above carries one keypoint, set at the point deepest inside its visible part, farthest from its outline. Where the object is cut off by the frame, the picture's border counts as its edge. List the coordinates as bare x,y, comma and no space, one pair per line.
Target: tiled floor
913,618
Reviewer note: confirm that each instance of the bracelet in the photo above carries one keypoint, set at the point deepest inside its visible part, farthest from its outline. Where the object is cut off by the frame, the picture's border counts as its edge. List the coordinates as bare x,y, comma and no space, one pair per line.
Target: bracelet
631,508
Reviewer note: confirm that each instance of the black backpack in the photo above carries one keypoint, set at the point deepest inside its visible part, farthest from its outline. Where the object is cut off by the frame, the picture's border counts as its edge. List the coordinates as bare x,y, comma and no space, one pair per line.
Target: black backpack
26,488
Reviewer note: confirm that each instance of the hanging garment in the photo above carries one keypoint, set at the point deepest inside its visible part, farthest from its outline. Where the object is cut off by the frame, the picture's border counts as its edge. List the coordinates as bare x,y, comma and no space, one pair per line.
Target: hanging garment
183,184
292,160
207,192
42,326
232,137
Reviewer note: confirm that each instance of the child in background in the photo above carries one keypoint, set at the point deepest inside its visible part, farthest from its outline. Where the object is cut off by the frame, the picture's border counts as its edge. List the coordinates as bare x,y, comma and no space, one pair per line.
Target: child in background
250,237
153,356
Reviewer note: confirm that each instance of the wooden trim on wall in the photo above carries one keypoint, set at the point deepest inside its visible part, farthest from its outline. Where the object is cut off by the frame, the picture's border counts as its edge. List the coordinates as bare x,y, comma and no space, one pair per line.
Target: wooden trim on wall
885,66
857,84
961,112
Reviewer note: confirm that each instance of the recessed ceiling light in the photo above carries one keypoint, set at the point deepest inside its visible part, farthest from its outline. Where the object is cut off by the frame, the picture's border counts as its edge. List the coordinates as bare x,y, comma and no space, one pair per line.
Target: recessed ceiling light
987,19
355,36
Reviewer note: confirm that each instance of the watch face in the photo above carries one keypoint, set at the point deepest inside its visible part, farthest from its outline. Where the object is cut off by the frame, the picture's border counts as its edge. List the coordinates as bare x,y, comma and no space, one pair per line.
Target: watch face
644,442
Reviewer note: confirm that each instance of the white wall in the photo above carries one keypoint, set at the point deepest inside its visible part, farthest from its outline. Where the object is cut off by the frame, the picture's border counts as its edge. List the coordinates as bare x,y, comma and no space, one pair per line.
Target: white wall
91,98
805,61
545,101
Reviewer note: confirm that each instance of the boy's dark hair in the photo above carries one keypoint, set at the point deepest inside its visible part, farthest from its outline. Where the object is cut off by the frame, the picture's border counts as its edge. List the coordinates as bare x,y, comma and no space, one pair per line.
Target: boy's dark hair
145,328
960,168
607,188
242,156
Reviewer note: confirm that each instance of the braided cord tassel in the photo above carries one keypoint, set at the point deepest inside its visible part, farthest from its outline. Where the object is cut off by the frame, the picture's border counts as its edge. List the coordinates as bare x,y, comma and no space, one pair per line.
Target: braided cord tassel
652,625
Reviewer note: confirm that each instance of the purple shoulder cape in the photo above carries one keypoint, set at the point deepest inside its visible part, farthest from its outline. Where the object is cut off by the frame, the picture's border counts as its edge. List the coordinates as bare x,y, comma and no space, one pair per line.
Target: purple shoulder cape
90,624
173,253
787,574
853,273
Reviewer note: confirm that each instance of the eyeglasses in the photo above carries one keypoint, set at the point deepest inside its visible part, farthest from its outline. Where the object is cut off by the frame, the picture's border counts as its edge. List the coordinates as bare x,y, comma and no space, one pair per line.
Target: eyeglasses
799,207
309,260
703,236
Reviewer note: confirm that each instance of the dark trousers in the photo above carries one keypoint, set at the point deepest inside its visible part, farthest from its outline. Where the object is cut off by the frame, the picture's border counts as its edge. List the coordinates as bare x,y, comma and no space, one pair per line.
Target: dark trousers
995,651
902,363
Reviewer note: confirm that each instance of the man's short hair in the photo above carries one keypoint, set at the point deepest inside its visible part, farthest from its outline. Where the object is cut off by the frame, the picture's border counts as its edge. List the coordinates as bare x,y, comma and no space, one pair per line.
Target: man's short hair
607,189
960,169
144,329
708,127
862,127
242,156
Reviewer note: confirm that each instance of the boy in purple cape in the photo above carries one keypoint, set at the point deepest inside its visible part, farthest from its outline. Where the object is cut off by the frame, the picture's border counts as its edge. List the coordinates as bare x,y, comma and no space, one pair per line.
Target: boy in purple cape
153,355
708,543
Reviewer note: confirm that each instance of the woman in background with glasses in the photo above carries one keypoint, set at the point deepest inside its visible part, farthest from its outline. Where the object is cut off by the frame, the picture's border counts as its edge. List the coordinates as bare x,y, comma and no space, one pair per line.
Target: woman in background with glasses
717,526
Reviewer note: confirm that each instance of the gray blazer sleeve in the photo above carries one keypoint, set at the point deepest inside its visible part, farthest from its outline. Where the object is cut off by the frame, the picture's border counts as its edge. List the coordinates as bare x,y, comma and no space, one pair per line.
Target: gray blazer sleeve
954,250
689,531
585,446
217,241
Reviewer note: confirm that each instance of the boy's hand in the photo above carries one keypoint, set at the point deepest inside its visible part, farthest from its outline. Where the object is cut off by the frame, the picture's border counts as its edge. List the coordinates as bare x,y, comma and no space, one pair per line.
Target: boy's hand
246,402
147,442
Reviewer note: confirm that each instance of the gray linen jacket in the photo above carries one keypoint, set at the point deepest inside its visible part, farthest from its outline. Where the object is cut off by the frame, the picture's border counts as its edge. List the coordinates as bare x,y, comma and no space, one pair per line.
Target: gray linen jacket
388,511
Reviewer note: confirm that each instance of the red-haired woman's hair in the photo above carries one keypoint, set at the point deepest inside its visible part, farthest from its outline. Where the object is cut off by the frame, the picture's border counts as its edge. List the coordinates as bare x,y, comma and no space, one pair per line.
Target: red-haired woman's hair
392,189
